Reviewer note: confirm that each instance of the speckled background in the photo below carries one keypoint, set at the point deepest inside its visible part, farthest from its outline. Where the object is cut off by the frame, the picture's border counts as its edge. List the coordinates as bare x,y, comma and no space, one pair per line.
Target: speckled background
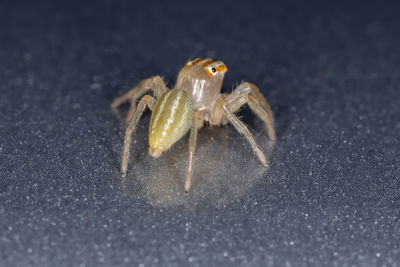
330,71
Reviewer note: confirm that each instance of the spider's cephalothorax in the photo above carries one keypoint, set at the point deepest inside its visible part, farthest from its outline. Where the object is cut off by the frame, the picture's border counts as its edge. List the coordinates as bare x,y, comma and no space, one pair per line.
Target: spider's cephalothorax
195,98
202,79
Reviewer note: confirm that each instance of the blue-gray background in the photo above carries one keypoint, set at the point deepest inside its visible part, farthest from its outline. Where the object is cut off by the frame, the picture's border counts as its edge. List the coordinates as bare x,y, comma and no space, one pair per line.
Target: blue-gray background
330,71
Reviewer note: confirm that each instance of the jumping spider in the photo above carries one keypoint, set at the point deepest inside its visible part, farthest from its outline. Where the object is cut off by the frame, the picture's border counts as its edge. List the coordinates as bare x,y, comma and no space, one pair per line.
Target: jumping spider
196,98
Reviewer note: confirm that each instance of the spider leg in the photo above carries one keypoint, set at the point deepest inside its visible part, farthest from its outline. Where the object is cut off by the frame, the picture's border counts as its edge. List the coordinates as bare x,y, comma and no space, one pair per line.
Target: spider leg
257,109
250,94
266,116
241,128
145,101
155,83
197,121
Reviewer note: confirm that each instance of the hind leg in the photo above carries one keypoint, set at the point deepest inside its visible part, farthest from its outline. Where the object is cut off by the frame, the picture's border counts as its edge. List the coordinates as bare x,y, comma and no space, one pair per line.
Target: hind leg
156,84
148,101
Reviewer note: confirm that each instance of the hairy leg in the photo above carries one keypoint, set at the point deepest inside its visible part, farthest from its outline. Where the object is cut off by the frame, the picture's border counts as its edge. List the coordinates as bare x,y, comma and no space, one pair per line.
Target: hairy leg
263,114
145,101
155,83
197,121
248,93
241,128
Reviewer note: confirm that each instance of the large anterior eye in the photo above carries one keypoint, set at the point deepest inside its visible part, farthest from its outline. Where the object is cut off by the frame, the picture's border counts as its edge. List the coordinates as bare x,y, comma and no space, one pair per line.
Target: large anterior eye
211,70
214,67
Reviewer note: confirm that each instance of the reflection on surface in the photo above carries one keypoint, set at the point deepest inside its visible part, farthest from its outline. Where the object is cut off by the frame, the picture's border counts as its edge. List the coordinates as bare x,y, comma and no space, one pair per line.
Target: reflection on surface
225,167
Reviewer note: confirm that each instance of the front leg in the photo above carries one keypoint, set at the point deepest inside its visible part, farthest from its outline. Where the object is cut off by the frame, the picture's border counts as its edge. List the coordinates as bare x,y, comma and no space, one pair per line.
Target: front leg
248,93
155,83
197,121
241,128
145,101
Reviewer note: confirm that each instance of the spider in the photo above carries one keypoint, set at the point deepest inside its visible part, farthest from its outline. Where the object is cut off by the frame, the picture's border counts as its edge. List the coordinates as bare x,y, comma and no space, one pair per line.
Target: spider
195,99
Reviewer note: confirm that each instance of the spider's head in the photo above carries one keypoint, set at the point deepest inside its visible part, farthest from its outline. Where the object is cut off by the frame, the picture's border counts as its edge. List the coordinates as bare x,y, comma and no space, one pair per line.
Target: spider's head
213,68
207,69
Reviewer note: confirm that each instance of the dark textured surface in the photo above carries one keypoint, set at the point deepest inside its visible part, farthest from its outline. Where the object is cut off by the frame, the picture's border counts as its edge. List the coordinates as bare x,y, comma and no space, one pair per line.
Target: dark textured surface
331,74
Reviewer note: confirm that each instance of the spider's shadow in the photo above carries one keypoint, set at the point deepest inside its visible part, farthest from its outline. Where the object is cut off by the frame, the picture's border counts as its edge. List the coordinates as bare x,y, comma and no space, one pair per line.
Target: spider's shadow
225,168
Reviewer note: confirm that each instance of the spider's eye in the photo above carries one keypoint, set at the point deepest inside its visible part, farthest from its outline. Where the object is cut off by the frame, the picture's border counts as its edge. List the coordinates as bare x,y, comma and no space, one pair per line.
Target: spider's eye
214,68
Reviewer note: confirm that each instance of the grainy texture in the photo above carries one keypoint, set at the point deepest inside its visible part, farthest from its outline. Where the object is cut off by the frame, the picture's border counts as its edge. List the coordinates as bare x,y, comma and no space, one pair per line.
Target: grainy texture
331,73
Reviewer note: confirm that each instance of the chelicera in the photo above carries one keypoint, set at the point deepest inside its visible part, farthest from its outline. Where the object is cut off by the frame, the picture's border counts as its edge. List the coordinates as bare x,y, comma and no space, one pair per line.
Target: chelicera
195,99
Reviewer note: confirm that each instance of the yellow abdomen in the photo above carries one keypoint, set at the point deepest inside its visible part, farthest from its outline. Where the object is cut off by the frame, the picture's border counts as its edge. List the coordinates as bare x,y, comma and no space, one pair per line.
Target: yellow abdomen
171,119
